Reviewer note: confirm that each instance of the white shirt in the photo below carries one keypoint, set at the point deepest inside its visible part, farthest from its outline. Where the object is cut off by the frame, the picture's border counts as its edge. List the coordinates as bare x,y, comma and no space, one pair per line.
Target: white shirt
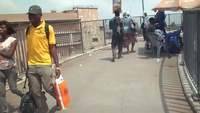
6,63
146,22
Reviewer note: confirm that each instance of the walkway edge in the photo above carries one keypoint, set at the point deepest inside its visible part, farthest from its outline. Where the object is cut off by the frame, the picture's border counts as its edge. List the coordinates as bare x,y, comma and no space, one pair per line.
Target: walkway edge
88,52
186,85
161,86
67,59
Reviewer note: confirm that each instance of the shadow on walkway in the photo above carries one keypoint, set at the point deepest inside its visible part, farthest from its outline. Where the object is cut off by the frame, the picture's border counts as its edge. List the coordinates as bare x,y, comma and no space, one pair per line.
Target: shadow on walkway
53,109
172,95
106,59
148,54
144,54
13,109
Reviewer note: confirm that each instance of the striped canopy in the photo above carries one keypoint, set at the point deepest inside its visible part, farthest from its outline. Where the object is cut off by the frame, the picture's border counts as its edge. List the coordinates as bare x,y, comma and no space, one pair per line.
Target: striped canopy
189,4
175,5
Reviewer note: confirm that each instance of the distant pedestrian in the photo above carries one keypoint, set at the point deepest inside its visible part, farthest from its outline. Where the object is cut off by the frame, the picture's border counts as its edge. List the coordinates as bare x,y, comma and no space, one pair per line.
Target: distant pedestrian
129,32
7,64
116,25
156,37
144,28
160,20
41,54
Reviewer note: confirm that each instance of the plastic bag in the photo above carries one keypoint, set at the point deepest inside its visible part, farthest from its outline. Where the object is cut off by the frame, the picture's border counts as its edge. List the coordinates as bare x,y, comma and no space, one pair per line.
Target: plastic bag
62,93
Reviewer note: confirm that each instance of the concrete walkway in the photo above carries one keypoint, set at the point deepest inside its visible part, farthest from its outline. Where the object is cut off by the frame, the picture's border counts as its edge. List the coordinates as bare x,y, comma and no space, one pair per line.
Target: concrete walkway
130,85
173,97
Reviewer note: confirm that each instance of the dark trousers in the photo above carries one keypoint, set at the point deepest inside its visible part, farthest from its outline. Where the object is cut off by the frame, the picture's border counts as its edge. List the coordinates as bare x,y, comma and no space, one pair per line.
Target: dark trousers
144,32
117,42
146,39
40,76
11,76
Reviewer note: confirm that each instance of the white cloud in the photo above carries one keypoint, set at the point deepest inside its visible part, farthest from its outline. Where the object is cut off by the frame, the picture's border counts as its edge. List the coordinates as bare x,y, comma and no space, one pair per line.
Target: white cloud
7,4
105,6
62,2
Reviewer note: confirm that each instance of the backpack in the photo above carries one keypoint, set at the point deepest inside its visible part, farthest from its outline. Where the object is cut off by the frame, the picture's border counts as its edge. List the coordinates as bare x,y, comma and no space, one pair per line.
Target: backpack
129,25
133,25
46,30
173,41
27,104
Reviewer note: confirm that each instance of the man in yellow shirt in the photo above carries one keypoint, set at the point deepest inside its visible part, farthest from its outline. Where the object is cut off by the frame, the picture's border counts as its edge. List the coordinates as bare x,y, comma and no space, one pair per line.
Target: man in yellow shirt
41,54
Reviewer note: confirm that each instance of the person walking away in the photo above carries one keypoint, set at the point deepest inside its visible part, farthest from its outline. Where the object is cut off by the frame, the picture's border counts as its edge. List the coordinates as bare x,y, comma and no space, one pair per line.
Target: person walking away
133,37
41,53
116,25
144,27
8,72
129,32
156,37
150,33
160,20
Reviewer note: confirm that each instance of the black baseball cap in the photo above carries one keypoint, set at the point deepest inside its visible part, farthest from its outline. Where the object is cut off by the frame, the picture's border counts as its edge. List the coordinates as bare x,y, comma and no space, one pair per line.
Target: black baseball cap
35,9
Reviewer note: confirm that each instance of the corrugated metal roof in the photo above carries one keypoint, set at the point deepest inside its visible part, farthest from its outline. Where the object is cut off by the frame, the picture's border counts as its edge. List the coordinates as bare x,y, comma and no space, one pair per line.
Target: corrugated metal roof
168,5
178,4
85,7
46,16
190,4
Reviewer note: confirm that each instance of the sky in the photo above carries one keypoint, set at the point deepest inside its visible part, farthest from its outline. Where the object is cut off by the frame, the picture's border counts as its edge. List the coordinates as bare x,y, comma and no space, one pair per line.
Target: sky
134,7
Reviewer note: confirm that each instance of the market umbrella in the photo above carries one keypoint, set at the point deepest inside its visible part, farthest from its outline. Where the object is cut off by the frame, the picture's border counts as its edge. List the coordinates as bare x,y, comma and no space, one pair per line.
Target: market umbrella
168,5
174,5
189,4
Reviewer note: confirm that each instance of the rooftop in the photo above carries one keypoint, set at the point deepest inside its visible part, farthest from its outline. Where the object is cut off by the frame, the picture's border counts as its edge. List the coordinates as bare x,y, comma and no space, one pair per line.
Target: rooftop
47,16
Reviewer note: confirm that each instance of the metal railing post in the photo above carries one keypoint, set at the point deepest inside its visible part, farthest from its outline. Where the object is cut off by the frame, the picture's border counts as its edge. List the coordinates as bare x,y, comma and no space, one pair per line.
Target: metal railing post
104,31
198,56
82,37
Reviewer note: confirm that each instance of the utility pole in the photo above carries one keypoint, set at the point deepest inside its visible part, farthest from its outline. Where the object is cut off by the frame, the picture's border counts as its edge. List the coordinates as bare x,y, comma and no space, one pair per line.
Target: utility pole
142,7
143,10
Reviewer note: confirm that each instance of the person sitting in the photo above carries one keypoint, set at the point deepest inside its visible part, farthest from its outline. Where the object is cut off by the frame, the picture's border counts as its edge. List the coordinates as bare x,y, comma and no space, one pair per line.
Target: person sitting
156,37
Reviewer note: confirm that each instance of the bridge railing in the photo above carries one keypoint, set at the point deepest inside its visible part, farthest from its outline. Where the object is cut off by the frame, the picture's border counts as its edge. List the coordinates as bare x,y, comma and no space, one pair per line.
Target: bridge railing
76,37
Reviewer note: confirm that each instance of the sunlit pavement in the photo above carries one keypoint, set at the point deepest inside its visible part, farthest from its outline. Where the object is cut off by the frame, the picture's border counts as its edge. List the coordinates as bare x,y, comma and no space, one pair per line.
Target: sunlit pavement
132,84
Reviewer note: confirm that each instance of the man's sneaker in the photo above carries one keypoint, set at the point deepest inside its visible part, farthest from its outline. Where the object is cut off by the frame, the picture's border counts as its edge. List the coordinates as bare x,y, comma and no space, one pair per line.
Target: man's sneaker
5,109
158,60
58,108
119,56
113,60
133,51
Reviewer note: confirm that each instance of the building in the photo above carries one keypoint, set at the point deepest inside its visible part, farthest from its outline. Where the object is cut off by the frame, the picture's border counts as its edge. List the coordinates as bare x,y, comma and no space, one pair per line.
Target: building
92,28
84,13
87,14
67,29
76,30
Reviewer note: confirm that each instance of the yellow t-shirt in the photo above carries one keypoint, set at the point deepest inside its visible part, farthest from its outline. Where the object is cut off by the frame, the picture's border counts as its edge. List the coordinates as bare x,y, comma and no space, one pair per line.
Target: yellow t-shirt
38,45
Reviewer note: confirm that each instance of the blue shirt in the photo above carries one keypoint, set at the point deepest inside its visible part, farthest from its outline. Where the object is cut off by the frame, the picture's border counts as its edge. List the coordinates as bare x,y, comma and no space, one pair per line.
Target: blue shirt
116,25
128,24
